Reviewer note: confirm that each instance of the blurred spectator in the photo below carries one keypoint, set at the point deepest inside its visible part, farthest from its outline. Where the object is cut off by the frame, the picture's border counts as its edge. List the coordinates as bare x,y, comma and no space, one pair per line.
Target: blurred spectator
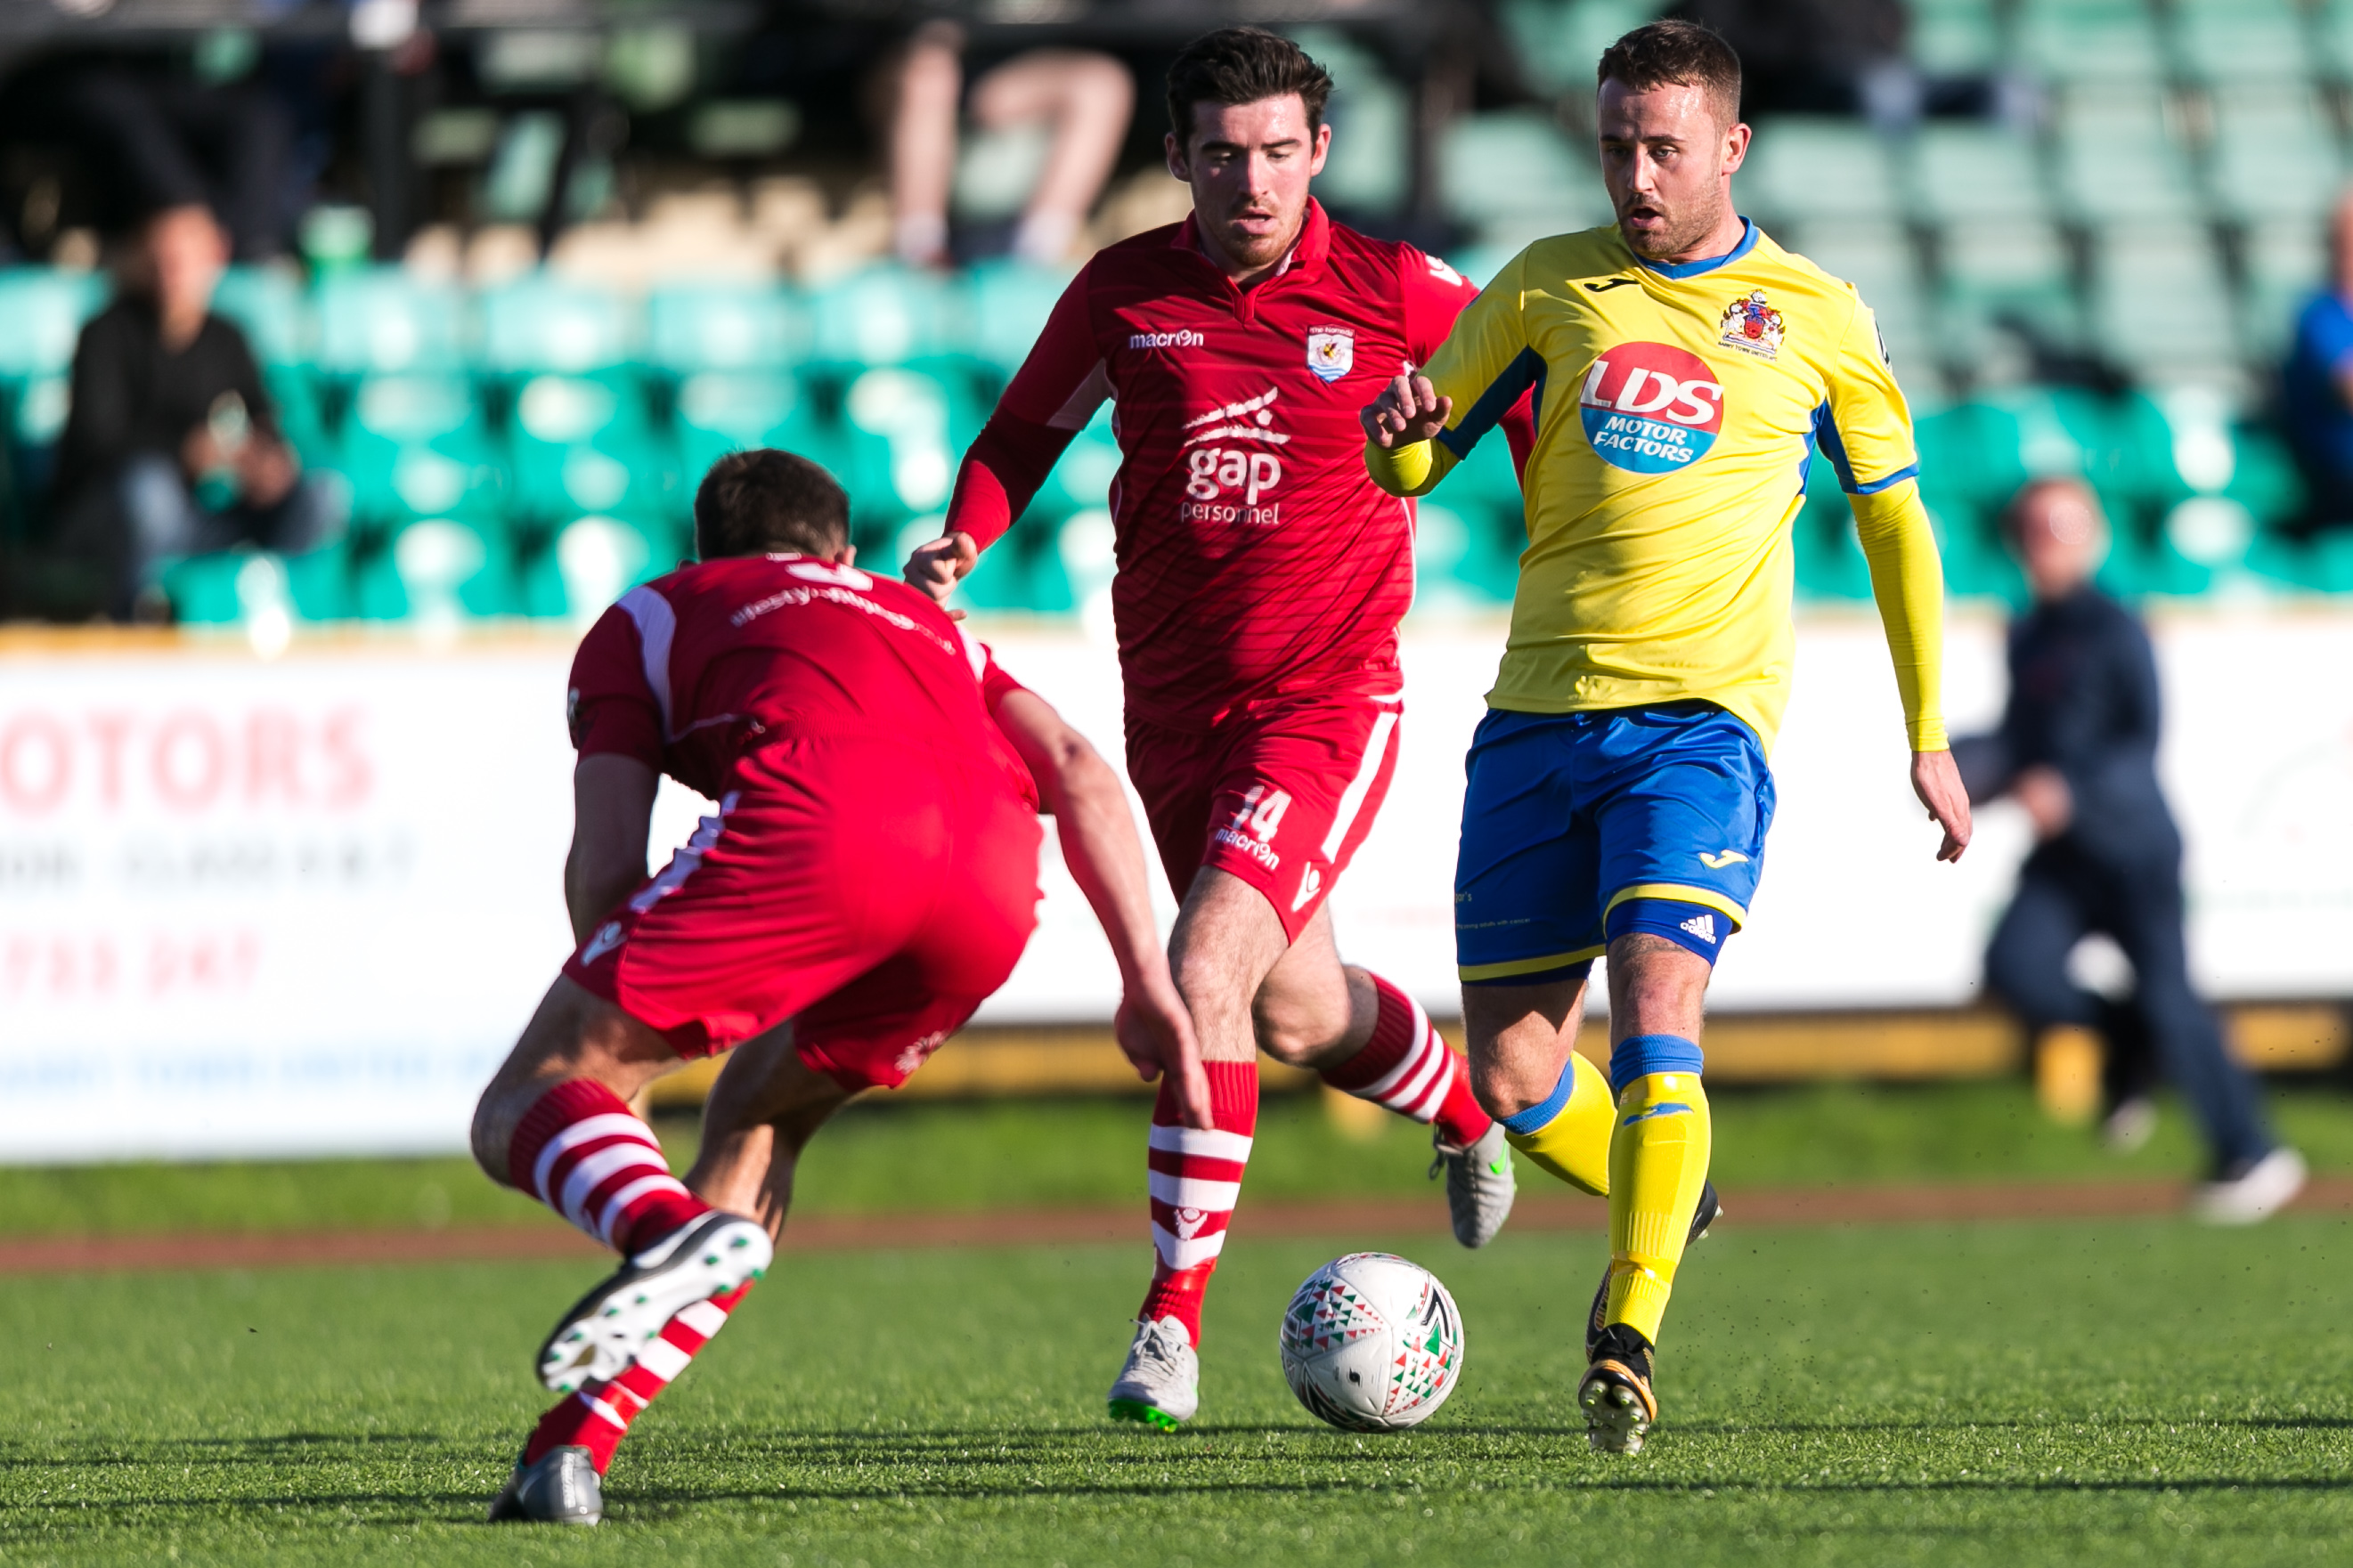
2318,384
158,142
2077,750
172,447
1089,98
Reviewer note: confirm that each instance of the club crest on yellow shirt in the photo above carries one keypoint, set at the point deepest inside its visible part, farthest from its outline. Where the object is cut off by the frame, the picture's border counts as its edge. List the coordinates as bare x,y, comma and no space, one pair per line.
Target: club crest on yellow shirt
1330,352
1752,326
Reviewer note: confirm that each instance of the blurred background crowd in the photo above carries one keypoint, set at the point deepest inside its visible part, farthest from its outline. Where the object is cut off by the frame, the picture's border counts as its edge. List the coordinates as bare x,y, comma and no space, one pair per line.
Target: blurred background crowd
430,310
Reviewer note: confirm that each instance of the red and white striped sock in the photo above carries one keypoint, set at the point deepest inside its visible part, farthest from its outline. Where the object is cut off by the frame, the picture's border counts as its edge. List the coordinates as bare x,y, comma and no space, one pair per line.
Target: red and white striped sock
597,1416
580,1153
1196,1177
1406,1066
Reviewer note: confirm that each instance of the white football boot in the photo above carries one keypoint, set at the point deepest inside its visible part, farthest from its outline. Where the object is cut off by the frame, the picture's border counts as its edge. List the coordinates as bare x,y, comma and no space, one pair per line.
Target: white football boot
562,1489
2257,1193
1161,1384
605,1329
1479,1185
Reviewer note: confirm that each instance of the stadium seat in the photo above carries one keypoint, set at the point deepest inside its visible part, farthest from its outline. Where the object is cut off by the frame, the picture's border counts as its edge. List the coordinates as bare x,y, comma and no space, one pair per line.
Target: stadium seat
1803,169
1370,168
1082,476
718,328
886,316
268,303
2217,41
41,313
1007,304
2116,161
438,573
252,587
591,560
384,322
2159,304
1955,38
1555,42
718,412
2332,22
584,443
539,323
1972,174
2088,40
904,430
1993,273
2274,153
1515,176
416,447
2286,264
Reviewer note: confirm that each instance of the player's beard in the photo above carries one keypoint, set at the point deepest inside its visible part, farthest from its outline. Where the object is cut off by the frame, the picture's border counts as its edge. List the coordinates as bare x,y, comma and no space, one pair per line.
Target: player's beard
1686,226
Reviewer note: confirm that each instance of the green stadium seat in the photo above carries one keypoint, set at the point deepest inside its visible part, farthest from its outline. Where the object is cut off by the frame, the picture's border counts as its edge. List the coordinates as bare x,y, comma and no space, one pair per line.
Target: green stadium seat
2217,41
383,322
1974,173
584,443
1804,169
37,413
41,313
1997,272
438,573
591,560
415,445
1555,42
2117,161
2088,40
712,328
1955,38
718,412
1370,168
1008,302
2274,153
1515,176
538,323
2160,305
887,316
905,429
249,586
2332,23
269,304
2284,263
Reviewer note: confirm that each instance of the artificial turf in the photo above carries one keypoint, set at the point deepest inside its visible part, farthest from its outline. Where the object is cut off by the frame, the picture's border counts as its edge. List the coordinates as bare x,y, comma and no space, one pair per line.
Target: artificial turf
886,1156
2015,1393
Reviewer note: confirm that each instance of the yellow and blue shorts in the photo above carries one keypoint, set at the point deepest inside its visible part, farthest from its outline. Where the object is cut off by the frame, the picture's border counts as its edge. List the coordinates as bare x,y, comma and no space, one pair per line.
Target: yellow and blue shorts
1579,828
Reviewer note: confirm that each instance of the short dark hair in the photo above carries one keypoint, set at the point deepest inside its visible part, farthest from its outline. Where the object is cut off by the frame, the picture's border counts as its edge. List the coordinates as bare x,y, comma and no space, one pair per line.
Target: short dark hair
1675,53
1243,65
752,503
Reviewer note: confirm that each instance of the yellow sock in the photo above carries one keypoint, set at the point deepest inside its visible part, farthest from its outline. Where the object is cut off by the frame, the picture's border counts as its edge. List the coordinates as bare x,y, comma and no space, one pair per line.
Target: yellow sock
1569,1134
1658,1163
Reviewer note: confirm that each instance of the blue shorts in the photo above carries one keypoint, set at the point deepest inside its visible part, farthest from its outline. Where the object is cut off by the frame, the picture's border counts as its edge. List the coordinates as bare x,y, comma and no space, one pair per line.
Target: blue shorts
1570,817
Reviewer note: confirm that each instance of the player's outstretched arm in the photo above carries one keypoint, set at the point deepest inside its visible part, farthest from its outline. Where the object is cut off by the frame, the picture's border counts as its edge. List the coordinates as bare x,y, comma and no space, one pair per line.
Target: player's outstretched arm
1400,427
612,814
1107,860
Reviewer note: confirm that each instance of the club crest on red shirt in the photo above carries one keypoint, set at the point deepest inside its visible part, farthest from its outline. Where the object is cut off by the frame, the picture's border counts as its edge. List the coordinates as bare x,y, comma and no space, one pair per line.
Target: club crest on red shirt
1752,326
1331,352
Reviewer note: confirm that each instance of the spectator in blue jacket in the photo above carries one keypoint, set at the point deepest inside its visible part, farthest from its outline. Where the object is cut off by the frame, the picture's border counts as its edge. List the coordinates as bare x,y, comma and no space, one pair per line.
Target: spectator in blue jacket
2077,750
2316,386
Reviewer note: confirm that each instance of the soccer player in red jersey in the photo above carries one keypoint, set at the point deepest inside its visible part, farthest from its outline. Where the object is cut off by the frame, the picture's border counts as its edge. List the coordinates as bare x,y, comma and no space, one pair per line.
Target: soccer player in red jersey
1260,580
869,876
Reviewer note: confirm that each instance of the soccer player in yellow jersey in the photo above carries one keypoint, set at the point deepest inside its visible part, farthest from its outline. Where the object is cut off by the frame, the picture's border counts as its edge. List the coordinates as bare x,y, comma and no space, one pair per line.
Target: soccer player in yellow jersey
1687,372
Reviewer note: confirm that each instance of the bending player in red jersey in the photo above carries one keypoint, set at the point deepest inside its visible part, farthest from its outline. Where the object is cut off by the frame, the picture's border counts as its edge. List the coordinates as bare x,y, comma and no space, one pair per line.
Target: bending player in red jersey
1261,576
869,876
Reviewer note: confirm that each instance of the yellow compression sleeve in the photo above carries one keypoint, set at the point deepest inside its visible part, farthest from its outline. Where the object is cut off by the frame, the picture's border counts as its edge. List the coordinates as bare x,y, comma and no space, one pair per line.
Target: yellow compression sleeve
1908,581
1413,468
1658,1163
1575,1144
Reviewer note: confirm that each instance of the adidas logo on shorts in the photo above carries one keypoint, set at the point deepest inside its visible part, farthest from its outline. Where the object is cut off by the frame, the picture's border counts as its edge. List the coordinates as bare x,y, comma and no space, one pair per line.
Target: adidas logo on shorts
1702,927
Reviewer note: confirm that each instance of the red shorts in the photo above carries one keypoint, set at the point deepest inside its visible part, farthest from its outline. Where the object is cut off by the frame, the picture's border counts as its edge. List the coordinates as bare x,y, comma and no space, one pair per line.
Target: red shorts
1279,793
871,891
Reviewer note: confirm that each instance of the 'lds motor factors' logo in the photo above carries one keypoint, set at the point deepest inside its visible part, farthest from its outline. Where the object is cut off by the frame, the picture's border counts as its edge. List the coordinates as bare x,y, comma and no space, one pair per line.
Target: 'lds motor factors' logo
1651,408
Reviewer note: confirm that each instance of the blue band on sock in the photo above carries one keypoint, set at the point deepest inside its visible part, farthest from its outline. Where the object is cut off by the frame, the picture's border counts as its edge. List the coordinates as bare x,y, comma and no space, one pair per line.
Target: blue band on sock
1641,1055
1538,1117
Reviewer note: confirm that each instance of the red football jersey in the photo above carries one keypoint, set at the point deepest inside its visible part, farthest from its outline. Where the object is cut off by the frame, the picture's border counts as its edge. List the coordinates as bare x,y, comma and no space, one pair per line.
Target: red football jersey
690,671
1255,556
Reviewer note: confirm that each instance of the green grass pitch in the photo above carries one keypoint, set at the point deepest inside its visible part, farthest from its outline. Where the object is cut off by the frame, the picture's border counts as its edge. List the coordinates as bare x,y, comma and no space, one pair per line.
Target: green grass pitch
2141,1393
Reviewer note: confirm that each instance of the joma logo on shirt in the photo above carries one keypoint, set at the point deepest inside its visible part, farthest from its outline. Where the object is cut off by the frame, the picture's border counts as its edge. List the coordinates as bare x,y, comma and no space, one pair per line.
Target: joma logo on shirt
1182,338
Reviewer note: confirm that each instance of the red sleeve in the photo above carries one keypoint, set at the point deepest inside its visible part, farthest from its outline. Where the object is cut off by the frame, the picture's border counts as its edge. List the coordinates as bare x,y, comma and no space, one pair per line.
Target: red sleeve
1434,295
1052,397
608,706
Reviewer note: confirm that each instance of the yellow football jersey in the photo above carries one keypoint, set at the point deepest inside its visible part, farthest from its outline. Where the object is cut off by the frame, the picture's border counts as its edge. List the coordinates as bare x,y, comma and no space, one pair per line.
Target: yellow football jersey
1678,411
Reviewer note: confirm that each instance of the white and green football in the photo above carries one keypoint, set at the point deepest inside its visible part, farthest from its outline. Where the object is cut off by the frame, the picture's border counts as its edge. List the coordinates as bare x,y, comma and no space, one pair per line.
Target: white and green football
1371,1343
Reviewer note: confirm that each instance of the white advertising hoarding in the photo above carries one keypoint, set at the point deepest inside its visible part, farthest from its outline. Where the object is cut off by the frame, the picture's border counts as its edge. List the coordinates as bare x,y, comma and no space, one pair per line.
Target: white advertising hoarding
305,904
